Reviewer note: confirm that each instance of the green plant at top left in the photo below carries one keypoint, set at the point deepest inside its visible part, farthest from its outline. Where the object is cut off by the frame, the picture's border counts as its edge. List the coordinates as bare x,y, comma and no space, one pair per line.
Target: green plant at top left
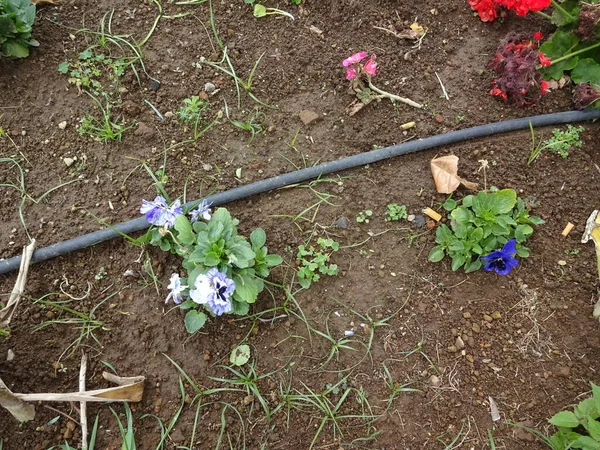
16,20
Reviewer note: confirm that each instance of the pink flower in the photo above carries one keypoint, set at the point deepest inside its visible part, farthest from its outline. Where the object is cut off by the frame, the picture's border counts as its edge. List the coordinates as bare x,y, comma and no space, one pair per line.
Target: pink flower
350,73
544,60
371,66
538,36
356,58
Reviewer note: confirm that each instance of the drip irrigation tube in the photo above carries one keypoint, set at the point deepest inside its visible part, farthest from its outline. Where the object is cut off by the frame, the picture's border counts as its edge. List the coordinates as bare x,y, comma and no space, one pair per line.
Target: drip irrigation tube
71,245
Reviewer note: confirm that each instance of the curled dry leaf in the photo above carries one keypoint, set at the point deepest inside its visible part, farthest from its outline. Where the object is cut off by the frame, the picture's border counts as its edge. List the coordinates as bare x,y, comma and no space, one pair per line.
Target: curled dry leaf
445,175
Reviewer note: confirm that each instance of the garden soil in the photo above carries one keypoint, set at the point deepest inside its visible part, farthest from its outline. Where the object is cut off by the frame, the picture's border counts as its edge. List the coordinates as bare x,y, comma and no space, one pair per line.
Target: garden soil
530,342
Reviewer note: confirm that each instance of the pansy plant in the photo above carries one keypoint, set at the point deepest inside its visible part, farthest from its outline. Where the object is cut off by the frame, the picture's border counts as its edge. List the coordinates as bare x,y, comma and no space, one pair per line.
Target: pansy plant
488,229
224,270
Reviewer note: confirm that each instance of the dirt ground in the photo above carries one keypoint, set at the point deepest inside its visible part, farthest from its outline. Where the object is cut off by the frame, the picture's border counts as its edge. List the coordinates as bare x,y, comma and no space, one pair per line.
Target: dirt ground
531,342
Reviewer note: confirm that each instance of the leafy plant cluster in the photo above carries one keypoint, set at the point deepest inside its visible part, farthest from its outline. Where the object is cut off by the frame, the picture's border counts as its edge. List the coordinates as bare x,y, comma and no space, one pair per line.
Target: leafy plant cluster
579,428
16,21
89,67
217,244
364,216
481,224
561,142
395,212
315,262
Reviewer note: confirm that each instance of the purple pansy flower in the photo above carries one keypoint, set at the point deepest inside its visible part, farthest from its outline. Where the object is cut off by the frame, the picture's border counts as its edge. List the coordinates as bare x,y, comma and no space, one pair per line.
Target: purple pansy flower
203,210
159,213
502,261
176,289
214,289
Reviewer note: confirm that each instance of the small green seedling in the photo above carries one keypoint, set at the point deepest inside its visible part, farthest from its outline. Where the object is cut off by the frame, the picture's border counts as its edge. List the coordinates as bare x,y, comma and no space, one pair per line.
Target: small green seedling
574,251
560,143
192,109
395,212
262,11
315,261
364,216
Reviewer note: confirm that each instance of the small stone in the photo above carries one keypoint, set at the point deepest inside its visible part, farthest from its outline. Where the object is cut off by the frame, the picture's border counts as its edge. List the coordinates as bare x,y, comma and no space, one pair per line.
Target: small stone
470,358
487,318
342,223
62,125
496,315
459,344
411,218
209,88
169,114
203,95
420,221
476,328
564,371
10,355
467,315
435,381
68,161
155,85
308,116
248,399
452,349
439,119
143,130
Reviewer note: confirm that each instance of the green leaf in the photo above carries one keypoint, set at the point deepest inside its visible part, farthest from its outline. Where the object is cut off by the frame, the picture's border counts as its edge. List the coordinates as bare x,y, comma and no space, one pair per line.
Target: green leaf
246,289
560,44
63,67
596,396
240,308
16,49
565,419
194,320
258,238
593,427
586,71
449,204
436,254
502,202
260,10
240,355
457,262
585,443
185,234
473,266
273,260
559,18
462,215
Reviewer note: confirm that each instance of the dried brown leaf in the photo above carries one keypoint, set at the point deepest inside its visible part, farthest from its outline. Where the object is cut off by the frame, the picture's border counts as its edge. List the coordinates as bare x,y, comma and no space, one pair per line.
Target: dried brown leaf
445,175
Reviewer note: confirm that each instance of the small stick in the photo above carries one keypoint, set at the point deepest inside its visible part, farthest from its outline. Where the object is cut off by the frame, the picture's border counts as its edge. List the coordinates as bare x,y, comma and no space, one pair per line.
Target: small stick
442,85
15,296
83,404
58,411
408,101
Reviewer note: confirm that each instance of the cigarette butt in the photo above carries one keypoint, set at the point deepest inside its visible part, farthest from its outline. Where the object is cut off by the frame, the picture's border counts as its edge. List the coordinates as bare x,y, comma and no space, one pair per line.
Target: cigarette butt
431,213
407,125
567,229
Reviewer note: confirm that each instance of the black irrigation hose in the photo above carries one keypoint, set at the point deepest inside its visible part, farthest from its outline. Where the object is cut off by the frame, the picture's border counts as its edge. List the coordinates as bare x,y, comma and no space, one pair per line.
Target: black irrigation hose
71,245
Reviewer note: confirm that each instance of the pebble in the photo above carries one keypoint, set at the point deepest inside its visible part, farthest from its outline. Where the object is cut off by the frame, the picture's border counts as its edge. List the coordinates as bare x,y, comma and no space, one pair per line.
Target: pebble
342,223
487,318
209,88
476,328
564,371
496,315
10,355
467,315
420,221
439,119
62,125
459,344
452,349
308,116
68,161
470,358
143,130
248,399
435,381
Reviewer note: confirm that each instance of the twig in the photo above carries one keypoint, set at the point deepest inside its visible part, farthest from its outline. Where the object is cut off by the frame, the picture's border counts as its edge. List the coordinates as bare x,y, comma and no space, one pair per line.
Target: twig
19,288
58,411
442,85
395,97
83,404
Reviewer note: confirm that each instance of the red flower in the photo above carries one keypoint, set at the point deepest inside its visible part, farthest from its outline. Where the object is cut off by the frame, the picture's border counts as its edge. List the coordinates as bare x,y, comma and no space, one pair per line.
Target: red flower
486,9
538,5
544,87
498,92
538,36
544,60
